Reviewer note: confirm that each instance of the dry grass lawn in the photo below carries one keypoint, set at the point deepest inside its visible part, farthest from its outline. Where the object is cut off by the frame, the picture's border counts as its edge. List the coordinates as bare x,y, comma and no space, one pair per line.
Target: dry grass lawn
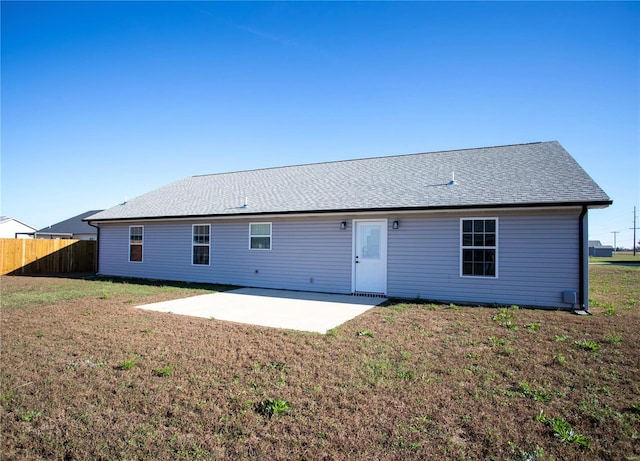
84,375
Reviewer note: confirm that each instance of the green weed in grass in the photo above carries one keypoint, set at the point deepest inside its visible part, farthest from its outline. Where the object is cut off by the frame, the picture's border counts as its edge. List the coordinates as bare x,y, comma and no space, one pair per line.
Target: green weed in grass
507,351
501,343
30,415
505,317
274,406
277,365
7,398
609,307
563,430
163,372
598,410
532,326
404,374
528,390
613,338
127,365
378,370
560,358
587,344
364,333
561,338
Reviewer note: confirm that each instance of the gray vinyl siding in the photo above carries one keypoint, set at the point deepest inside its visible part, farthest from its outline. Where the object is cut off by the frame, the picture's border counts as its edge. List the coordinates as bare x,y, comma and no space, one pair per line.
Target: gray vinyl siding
312,255
300,251
538,258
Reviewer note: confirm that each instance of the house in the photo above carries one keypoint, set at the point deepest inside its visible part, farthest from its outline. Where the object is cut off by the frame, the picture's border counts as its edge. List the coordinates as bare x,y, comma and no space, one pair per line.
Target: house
596,248
72,228
11,228
505,225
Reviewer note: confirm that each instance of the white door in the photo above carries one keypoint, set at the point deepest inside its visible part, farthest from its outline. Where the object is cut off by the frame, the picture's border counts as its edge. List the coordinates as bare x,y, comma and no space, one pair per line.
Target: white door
370,256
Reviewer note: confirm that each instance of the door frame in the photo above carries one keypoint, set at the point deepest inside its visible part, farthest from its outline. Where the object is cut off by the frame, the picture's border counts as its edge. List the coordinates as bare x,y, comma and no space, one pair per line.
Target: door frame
384,239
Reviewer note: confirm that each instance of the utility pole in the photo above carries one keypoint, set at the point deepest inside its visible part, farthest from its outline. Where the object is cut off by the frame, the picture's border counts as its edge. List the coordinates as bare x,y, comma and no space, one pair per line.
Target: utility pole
634,231
615,245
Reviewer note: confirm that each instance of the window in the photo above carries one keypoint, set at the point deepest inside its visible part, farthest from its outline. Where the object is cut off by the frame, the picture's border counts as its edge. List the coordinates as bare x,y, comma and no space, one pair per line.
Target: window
479,247
260,236
136,235
200,243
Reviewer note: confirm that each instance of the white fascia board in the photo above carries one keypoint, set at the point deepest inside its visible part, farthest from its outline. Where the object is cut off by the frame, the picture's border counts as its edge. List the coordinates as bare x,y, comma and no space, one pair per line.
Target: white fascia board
372,213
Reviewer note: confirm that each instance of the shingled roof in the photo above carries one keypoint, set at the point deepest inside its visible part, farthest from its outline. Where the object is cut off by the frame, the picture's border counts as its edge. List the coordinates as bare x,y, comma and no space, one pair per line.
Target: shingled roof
74,225
523,175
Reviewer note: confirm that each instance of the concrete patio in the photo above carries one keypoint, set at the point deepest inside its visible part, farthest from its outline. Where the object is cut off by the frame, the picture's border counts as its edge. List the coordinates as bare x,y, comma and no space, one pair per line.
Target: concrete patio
294,310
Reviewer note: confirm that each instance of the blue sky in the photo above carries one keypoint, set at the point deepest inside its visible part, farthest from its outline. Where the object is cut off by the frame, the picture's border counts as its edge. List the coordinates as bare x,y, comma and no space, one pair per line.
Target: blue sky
103,101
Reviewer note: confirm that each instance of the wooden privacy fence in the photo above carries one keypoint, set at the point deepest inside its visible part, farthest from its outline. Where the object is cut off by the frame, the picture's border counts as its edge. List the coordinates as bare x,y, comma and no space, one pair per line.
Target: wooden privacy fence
43,256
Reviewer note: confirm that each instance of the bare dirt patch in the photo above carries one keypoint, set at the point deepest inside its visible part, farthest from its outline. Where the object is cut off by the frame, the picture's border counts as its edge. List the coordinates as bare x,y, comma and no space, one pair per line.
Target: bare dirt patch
87,376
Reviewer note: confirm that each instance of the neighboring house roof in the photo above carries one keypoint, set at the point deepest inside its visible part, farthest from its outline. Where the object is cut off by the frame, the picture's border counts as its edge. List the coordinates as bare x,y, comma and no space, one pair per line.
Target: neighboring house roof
71,226
598,244
11,227
517,175
7,219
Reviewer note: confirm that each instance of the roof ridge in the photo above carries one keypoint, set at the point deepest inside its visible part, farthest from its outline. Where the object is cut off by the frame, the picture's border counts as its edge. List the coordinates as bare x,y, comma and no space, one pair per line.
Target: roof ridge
364,158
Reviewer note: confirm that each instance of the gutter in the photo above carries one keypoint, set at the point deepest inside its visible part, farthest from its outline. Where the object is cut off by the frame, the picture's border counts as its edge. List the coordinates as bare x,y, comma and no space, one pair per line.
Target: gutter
68,235
584,268
32,234
478,207
97,247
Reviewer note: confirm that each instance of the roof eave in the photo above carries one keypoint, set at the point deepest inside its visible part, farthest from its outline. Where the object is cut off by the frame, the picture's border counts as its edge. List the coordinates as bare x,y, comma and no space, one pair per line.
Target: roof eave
590,204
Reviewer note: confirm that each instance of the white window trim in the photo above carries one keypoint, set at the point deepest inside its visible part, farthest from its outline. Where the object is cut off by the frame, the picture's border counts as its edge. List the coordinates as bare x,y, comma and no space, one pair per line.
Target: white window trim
462,248
208,245
140,244
270,236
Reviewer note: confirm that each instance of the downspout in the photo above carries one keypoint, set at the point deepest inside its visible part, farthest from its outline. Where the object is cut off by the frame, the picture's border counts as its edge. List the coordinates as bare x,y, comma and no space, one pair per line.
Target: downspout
97,247
584,268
